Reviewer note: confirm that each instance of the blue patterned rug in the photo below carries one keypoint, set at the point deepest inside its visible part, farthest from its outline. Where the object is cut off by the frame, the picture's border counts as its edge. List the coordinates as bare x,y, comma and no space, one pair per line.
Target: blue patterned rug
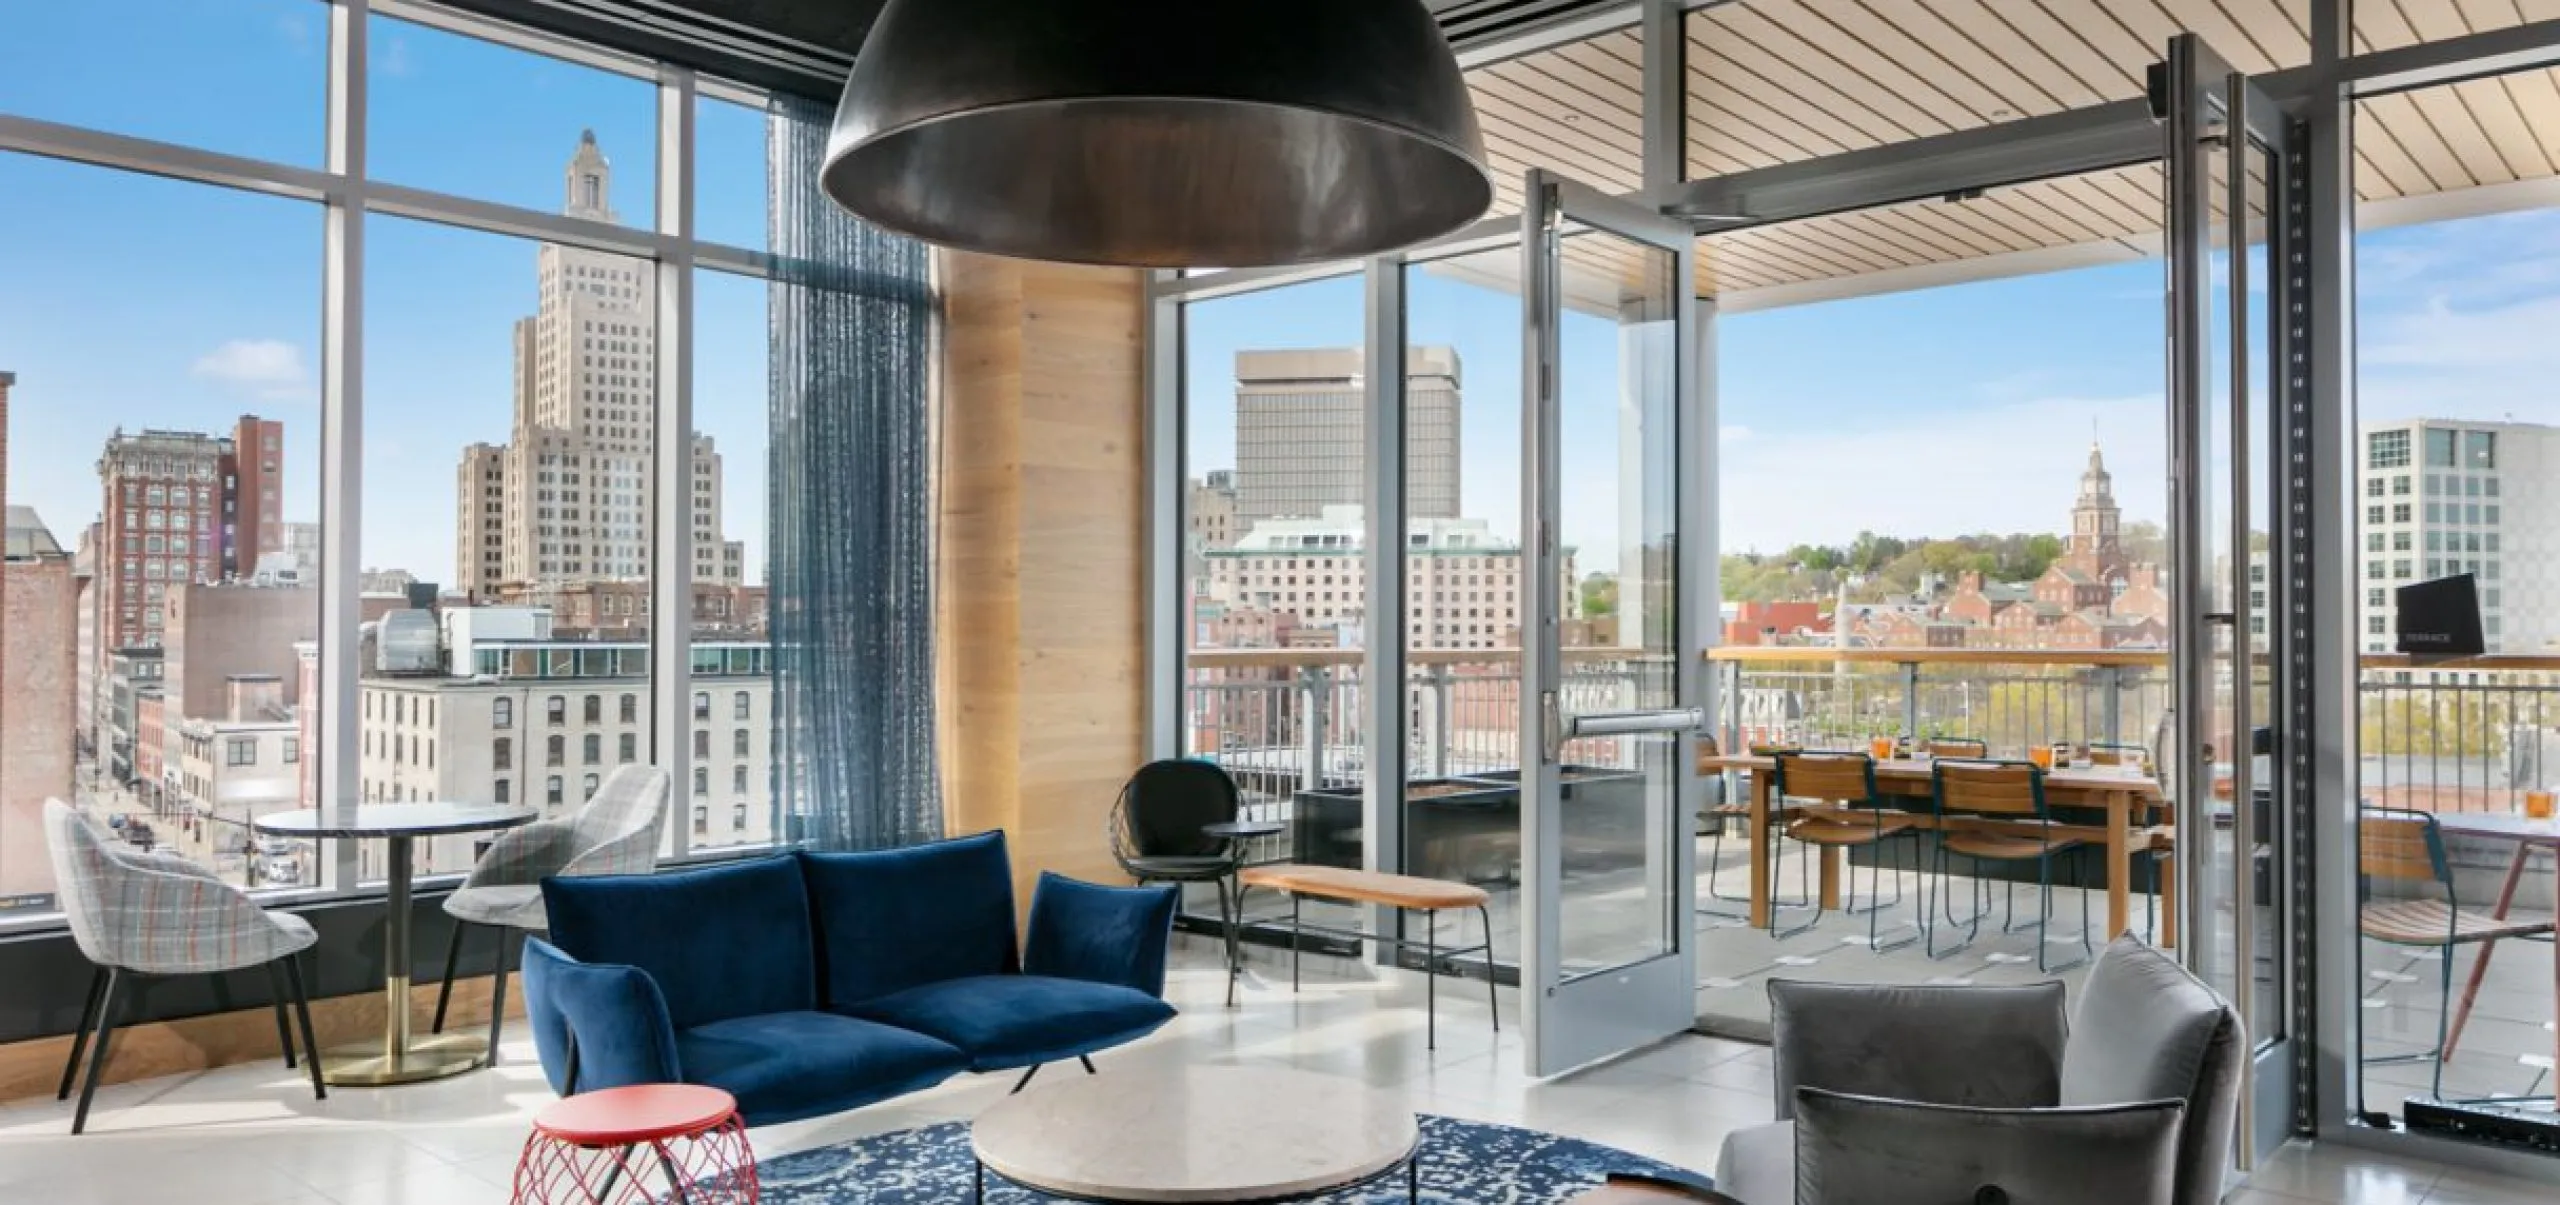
1463,1163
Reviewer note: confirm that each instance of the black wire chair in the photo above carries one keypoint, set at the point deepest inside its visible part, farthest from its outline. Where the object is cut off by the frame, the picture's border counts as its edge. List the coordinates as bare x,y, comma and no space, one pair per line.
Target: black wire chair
1156,835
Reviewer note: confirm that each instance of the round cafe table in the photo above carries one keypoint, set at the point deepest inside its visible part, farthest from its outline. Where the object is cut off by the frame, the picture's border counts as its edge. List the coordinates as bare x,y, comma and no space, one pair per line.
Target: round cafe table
398,1058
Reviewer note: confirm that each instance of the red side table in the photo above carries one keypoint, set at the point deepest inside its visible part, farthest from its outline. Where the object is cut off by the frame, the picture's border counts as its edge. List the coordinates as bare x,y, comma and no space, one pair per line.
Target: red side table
609,1147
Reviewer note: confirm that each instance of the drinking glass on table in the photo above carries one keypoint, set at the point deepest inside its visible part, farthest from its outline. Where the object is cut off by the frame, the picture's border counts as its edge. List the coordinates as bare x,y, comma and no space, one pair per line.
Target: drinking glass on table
2538,805
2041,755
1880,748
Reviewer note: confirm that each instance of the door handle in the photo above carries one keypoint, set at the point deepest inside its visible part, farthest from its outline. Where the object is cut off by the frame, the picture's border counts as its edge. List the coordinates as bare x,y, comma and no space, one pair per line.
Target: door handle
1635,723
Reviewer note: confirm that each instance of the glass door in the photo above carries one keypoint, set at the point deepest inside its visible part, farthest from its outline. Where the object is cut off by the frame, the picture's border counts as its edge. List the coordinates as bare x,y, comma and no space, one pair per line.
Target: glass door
2224,840
1609,632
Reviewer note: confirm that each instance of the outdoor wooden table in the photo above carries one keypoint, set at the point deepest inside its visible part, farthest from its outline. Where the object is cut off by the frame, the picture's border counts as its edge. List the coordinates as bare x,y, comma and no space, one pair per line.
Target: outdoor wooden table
2528,835
2127,797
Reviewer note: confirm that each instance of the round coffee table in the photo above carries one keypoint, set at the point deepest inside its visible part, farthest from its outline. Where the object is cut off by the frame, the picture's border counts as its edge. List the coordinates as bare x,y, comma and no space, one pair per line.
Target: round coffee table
1197,1134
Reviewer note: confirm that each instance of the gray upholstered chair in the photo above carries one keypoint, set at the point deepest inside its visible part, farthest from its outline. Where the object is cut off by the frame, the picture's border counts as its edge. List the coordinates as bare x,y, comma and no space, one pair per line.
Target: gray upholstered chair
134,913
2146,1031
617,832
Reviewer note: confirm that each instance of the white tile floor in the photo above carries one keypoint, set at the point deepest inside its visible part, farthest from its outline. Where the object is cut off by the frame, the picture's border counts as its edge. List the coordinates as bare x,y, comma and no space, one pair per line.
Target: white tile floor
252,1135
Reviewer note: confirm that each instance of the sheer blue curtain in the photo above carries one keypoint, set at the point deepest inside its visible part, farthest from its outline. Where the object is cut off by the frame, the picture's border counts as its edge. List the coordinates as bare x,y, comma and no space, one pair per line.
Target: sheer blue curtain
854,318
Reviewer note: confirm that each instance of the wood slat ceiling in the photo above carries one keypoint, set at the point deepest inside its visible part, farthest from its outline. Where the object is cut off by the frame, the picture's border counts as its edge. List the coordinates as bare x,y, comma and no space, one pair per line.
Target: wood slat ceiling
1781,81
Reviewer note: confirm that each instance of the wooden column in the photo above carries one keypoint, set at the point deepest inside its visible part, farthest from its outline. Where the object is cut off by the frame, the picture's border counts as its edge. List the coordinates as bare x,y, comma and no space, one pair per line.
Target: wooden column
1041,591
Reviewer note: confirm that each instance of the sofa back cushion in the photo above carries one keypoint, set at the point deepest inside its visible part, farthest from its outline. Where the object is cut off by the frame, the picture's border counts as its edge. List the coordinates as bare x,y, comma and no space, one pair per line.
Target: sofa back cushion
2148,1030
892,919
1858,1150
1992,1047
721,942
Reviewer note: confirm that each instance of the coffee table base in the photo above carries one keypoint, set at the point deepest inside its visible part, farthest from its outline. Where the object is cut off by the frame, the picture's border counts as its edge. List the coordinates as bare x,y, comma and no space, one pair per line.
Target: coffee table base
1411,1165
370,1065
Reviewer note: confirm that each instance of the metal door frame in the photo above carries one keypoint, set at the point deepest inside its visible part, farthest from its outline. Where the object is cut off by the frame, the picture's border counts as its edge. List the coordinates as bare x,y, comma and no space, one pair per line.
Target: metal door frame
1570,1022
2210,109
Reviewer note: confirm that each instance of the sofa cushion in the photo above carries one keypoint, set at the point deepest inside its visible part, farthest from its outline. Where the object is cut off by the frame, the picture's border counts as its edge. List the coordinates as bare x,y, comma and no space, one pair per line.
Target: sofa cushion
1858,1150
1992,1047
1017,1020
784,1066
888,920
722,941
2147,1029
1758,1166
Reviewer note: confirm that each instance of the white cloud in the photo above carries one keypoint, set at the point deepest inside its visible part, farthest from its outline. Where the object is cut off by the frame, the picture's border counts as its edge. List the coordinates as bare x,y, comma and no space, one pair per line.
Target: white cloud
269,370
1732,433
1942,473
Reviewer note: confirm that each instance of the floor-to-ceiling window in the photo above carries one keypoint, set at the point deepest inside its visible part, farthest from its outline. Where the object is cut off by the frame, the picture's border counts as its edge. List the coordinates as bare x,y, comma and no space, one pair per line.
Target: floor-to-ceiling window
248,391
2456,482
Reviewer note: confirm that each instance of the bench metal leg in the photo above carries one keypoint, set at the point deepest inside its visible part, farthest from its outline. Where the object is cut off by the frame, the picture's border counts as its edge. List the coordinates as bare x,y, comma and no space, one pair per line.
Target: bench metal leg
1430,979
1294,940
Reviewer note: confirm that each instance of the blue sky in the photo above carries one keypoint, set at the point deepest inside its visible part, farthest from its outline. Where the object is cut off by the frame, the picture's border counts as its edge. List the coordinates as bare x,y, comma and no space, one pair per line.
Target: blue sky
140,302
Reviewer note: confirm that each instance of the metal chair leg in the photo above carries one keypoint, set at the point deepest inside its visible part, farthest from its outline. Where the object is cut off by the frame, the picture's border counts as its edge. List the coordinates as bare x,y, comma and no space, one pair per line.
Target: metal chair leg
284,1030
1492,996
302,1013
1430,980
1227,921
510,940
98,1050
1087,1060
452,959
1295,939
80,1036
1875,892
2444,1008
1025,1081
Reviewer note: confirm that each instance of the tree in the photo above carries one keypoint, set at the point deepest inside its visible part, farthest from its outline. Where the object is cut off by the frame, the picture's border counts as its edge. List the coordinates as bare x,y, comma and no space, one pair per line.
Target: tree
1599,595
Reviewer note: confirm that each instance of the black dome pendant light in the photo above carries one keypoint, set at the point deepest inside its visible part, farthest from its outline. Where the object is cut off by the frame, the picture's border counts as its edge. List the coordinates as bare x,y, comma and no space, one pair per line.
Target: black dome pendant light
1159,133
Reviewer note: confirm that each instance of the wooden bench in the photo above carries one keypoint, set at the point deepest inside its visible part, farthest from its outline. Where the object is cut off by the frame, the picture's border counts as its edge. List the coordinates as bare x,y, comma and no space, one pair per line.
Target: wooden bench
1403,892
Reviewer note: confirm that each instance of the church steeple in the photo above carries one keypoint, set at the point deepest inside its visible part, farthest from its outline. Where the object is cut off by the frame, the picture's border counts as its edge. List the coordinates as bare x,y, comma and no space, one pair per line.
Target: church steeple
589,182
2095,540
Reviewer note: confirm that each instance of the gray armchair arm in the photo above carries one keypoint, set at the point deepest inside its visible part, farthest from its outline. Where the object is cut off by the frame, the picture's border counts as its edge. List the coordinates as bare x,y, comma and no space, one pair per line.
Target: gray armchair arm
525,855
172,863
1987,1047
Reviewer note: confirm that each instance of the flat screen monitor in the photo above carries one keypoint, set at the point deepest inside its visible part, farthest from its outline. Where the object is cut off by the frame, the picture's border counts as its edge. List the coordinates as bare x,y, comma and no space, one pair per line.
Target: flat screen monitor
2441,618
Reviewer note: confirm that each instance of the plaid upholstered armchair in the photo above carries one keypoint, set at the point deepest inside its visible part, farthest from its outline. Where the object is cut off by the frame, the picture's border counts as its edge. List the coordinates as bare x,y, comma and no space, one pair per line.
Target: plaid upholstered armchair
135,913
615,833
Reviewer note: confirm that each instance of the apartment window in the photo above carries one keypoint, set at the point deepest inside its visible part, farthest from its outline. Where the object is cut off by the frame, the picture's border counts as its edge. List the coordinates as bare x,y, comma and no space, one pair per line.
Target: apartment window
701,780
556,710
702,742
2377,625
551,790
630,709
2440,450
2387,450
587,788
2435,485
2400,569
630,749
702,704
2400,540
2373,487
738,742
501,791
2480,449
292,750
2489,486
701,821
502,713
591,747
502,753
2375,598
738,818
2373,542
2400,512
2470,487
741,706
2435,568
737,780
240,751
555,751
2375,570
2435,512
594,709
2373,515
2489,515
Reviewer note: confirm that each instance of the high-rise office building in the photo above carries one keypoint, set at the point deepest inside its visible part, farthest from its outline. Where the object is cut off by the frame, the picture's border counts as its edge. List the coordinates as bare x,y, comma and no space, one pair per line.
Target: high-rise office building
566,499
1298,433
181,507
2446,496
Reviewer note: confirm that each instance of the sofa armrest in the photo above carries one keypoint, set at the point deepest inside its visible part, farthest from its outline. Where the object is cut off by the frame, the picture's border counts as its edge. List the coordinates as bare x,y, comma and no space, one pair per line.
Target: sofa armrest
1115,935
596,1025
1987,1047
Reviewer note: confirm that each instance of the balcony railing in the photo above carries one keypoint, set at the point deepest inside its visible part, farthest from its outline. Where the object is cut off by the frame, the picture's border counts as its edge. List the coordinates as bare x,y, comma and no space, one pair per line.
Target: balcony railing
2457,735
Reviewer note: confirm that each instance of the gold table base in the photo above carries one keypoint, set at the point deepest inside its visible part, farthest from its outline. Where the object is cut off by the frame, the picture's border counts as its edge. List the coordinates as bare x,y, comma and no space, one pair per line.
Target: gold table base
367,1065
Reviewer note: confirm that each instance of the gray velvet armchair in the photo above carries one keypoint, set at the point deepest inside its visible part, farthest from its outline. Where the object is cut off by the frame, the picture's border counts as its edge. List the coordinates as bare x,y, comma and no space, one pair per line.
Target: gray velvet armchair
2146,1074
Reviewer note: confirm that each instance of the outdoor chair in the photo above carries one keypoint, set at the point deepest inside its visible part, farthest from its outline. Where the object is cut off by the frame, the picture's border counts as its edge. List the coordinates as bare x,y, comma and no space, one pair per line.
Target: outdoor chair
1995,811
137,914
2406,849
616,832
1843,810
1156,836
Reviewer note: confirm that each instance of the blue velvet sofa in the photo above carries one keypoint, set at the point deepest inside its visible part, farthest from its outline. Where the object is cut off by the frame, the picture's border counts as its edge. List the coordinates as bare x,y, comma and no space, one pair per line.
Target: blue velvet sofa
807,983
